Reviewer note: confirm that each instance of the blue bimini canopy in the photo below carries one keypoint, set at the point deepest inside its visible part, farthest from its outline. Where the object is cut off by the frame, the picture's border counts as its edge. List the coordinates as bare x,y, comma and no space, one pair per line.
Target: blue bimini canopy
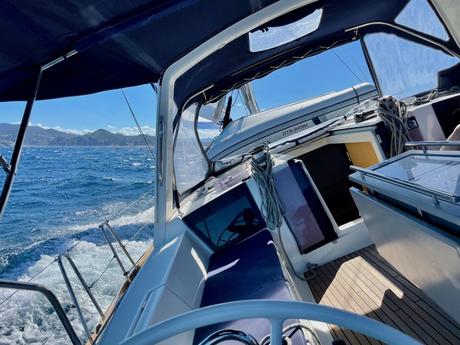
119,43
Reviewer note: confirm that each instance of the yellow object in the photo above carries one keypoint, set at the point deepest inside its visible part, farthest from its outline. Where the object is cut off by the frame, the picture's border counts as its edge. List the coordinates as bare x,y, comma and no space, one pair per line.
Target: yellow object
362,154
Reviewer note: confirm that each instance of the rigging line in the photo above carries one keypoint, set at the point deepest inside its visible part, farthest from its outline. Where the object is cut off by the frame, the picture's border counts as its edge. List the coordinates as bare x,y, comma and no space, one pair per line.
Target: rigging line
354,61
137,123
346,65
48,338
122,210
137,233
28,281
102,273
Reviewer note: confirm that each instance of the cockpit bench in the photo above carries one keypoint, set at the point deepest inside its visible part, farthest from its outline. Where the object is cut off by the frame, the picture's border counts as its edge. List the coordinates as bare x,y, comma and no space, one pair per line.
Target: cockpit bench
247,270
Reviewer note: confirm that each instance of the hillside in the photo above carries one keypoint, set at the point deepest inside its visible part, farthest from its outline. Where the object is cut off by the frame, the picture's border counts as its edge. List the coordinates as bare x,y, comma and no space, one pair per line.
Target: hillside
38,136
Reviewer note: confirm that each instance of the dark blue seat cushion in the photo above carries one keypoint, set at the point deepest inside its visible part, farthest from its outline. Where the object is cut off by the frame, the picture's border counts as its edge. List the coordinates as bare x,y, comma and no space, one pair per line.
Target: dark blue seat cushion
247,270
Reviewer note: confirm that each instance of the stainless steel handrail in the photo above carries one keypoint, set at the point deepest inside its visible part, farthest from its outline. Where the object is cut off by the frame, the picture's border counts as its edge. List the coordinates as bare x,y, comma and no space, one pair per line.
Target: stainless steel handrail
84,284
9,284
114,252
122,246
425,144
103,227
73,297
433,193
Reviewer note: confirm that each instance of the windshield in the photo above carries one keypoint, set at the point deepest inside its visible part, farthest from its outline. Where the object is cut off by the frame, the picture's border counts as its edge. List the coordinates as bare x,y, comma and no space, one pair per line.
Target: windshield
303,94
333,70
399,74
331,81
190,164
406,68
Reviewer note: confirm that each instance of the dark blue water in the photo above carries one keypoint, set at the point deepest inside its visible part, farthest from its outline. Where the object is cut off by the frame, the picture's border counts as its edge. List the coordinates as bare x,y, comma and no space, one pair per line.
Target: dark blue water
60,196
58,191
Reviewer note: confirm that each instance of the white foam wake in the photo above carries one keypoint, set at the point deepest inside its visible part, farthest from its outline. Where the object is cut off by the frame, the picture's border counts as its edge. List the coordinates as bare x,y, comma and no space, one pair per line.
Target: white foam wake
28,319
146,216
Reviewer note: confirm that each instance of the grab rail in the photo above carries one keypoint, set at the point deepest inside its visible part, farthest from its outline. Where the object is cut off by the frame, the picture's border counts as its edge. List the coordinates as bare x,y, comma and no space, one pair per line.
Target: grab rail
425,144
433,193
8,284
73,297
83,283
122,246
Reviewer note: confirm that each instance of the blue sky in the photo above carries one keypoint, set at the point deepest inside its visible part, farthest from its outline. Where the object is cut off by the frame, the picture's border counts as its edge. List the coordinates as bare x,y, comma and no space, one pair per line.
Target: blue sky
307,78
333,70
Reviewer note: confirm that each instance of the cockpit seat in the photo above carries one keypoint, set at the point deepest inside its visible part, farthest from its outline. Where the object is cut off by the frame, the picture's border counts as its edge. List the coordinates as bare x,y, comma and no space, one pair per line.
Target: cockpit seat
247,270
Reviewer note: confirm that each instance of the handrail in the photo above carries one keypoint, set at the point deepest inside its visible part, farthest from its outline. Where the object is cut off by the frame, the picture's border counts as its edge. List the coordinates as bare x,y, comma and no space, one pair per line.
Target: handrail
9,284
103,227
425,144
433,193
84,284
122,246
73,297
114,252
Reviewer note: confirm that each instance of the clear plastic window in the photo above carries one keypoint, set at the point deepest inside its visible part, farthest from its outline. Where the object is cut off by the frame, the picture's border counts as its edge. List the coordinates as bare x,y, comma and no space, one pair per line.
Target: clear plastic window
405,68
272,37
190,165
333,70
419,15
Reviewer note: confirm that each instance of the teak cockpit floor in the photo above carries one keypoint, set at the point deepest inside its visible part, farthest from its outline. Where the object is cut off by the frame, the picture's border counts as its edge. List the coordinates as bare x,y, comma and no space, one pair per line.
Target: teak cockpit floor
366,284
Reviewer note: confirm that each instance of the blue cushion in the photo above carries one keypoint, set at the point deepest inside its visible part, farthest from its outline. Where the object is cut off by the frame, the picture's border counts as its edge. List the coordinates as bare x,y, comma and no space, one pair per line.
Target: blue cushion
247,270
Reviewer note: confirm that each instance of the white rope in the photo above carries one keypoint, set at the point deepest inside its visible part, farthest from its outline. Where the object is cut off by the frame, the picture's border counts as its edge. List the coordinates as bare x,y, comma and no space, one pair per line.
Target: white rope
261,167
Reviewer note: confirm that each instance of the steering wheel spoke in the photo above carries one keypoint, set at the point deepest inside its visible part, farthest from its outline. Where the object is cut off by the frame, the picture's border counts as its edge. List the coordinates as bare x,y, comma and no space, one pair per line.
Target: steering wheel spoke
276,331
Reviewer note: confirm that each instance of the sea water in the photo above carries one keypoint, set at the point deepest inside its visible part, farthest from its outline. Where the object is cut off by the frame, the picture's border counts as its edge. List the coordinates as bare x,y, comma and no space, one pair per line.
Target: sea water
60,197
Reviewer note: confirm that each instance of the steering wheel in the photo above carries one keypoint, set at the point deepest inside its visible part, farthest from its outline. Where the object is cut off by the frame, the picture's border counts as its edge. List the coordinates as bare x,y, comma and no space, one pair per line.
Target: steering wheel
276,312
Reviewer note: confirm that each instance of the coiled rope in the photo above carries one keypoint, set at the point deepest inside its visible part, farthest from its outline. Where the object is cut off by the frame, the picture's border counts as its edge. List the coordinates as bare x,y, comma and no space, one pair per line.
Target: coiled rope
394,115
261,168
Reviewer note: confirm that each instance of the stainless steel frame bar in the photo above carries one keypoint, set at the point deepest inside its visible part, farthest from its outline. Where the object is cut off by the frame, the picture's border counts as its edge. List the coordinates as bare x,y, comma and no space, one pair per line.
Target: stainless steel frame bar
425,144
13,166
370,65
114,252
18,146
8,284
83,283
73,297
117,238
433,193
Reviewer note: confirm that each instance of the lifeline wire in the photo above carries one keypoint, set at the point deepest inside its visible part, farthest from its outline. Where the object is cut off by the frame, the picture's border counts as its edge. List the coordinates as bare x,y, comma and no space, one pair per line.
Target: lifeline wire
113,257
137,124
75,245
28,281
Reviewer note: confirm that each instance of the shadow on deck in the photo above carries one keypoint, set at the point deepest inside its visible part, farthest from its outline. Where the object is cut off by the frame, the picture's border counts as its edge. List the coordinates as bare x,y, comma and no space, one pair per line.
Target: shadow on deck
366,284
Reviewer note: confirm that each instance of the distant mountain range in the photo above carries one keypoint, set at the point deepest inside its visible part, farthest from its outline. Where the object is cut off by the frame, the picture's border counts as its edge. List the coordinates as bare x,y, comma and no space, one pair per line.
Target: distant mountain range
38,136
